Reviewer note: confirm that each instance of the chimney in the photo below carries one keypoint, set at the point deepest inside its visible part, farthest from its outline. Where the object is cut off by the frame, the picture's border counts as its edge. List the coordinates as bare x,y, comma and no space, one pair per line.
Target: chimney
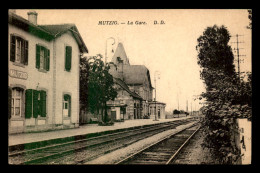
120,65
32,17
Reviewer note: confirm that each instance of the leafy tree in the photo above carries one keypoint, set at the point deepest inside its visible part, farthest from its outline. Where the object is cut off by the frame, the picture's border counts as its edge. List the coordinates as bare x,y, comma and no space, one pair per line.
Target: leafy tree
176,111
228,97
214,53
84,68
182,112
97,86
250,18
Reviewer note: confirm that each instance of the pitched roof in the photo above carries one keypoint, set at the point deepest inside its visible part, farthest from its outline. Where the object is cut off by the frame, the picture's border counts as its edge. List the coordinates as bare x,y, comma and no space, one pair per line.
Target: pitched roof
58,30
47,32
153,102
120,52
135,74
125,87
27,26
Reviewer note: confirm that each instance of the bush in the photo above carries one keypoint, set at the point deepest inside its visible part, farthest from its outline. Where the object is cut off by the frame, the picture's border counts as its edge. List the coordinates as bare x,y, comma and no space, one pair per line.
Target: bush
121,120
146,117
109,123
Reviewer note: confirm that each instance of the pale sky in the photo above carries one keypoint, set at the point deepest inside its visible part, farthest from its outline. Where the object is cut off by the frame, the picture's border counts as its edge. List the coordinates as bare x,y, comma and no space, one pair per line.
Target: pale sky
169,48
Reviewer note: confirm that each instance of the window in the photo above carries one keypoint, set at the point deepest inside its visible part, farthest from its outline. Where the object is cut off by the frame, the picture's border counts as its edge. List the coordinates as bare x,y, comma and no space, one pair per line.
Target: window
68,55
16,102
35,104
66,105
19,50
42,58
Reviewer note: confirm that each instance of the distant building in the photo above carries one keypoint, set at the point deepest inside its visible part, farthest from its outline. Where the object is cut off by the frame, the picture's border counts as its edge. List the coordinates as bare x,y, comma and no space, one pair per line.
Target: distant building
157,107
43,74
137,79
127,104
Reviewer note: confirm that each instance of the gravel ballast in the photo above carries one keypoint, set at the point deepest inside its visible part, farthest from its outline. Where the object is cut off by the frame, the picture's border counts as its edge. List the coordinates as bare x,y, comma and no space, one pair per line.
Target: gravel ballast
115,156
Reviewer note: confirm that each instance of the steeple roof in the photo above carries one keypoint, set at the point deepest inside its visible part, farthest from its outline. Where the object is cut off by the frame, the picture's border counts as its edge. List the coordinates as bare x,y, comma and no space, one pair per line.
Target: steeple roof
120,52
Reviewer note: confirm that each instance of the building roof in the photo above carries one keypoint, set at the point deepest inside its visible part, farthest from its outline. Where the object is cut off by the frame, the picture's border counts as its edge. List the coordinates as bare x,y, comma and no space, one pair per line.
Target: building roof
120,52
47,32
153,102
125,87
58,30
132,74
135,74
27,26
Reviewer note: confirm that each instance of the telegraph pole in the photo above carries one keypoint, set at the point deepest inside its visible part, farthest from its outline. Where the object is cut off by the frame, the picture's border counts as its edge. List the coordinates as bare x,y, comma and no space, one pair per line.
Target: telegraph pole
237,50
191,107
155,75
187,106
178,101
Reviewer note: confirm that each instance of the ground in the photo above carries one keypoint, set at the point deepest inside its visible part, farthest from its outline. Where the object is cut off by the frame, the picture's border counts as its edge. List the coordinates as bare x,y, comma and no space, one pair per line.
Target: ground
195,154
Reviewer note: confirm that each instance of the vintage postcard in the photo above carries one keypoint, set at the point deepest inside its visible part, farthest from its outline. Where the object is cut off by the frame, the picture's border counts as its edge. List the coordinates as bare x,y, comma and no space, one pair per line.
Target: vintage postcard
129,86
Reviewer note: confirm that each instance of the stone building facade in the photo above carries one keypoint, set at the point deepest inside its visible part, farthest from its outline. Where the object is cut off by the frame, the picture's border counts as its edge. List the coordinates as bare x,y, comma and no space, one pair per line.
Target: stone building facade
43,77
137,79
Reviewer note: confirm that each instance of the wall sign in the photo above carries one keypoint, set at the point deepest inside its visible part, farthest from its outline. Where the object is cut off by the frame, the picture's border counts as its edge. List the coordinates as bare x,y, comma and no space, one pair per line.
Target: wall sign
18,74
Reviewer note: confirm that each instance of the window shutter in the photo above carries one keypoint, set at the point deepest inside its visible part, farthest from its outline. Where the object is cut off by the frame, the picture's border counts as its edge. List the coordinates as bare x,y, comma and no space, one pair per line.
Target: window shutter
35,103
38,49
48,60
25,52
28,103
22,50
69,98
9,102
12,48
43,103
68,58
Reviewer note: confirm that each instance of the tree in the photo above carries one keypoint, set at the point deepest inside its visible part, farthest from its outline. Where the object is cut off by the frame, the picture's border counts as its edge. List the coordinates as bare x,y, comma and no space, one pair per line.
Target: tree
250,18
228,97
214,53
97,86
84,68
175,111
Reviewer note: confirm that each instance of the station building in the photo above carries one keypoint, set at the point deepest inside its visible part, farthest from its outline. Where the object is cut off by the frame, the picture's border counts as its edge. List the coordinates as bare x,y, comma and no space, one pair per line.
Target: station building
137,79
127,104
157,107
43,74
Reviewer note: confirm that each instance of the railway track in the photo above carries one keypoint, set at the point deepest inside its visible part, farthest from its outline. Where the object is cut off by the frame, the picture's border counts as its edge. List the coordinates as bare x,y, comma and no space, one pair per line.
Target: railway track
164,151
56,154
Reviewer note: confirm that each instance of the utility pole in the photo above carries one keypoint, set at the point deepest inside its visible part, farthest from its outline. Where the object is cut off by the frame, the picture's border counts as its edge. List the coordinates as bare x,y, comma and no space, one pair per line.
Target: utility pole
178,100
191,107
155,75
237,54
187,106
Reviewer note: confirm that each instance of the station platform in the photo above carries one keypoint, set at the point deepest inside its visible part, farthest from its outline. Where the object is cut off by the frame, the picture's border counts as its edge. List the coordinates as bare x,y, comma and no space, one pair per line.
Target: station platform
27,138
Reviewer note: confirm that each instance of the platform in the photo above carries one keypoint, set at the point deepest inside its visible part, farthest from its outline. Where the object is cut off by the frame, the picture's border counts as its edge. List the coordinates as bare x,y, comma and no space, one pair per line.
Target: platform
26,138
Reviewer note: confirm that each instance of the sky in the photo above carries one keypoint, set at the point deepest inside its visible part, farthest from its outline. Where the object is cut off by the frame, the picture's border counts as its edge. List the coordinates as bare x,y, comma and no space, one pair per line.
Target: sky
169,48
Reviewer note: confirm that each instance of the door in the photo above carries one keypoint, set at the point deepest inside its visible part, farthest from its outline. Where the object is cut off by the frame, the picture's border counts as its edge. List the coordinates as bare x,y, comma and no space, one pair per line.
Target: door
113,115
66,108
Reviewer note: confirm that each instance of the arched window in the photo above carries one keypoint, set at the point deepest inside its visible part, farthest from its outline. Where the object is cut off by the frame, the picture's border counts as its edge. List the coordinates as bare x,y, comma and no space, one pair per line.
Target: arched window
66,105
